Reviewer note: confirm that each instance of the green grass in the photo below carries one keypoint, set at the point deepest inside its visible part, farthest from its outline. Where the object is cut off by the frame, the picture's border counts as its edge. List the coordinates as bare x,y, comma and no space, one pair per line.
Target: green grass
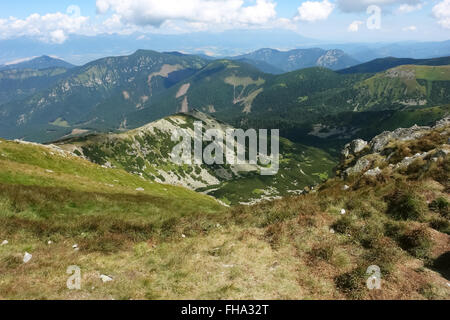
171,243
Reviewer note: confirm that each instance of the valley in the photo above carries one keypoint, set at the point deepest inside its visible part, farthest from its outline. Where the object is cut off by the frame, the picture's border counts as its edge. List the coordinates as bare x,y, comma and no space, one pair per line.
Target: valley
87,179
156,241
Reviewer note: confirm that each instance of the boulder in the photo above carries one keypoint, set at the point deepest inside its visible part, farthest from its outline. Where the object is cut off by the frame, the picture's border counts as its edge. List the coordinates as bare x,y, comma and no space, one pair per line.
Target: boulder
403,134
360,166
354,147
408,160
373,172
442,123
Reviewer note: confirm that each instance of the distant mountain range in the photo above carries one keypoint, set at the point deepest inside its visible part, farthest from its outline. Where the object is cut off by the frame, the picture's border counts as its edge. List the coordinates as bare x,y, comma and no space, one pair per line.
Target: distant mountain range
39,63
82,49
383,64
313,105
365,52
22,79
286,61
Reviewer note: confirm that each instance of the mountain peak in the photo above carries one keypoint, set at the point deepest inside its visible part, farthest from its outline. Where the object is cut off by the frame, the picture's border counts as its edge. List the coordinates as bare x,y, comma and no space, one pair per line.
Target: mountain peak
37,63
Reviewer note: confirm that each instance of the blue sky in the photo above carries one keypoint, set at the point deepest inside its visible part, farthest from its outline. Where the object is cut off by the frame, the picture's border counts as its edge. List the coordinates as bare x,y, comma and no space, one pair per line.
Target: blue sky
331,20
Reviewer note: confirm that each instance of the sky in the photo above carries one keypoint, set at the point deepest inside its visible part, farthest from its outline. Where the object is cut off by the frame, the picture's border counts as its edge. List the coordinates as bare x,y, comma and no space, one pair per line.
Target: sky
329,20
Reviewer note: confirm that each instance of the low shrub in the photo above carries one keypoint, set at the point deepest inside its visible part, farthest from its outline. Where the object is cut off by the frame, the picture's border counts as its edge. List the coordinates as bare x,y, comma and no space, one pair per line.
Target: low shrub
417,242
344,225
441,225
441,206
405,205
352,283
323,251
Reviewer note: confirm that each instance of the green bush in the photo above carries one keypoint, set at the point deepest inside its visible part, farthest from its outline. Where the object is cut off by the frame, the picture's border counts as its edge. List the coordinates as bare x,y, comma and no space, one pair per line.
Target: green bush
344,225
384,254
405,205
370,234
441,206
441,225
417,242
352,283
323,251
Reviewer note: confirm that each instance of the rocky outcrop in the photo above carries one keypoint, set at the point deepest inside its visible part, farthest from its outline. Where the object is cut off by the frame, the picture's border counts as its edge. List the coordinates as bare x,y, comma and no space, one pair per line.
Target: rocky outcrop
354,147
381,151
381,141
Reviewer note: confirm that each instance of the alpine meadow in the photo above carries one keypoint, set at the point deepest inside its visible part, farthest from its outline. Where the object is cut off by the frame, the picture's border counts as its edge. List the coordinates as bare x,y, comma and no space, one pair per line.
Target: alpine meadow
225,150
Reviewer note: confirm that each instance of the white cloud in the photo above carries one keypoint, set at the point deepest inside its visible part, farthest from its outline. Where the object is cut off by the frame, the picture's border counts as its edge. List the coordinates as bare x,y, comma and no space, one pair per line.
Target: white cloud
408,8
314,10
58,36
410,28
227,13
51,27
361,5
441,12
354,26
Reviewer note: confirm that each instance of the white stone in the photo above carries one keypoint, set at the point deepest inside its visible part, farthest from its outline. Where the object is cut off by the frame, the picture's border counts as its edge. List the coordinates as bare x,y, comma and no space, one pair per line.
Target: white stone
106,278
140,189
343,211
345,187
49,242
5,242
373,172
27,257
183,236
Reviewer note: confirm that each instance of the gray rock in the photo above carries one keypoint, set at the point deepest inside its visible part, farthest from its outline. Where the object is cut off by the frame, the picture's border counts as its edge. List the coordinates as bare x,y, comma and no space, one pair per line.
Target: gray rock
373,172
409,160
360,166
442,123
354,147
441,152
381,141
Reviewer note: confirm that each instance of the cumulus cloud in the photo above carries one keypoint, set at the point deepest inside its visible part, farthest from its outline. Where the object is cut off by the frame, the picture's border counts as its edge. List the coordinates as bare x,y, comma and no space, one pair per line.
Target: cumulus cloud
198,12
441,12
51,27
315,10
354,26
361,5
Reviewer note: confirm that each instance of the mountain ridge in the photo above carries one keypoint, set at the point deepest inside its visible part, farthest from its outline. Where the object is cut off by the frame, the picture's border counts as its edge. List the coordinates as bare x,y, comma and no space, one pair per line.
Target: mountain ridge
38,63
383,64
300,58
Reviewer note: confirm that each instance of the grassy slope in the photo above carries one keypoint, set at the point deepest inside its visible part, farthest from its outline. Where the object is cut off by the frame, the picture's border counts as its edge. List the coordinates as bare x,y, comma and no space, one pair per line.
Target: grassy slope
45,196
283,249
